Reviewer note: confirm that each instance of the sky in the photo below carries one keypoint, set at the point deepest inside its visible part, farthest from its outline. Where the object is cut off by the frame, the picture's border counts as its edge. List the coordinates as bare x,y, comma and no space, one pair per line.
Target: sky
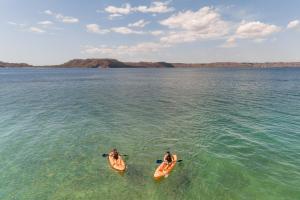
45,32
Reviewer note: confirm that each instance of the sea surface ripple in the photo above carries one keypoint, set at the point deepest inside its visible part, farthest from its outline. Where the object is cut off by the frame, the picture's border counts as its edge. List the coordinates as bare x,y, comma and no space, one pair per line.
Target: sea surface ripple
237,131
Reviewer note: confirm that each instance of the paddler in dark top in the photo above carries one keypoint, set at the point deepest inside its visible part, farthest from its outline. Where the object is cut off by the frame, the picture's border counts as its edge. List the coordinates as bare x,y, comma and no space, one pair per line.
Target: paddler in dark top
168,158
115,154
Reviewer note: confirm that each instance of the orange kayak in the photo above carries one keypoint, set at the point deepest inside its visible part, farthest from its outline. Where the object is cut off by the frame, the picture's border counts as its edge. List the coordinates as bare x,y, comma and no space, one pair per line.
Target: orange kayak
116,164
164,169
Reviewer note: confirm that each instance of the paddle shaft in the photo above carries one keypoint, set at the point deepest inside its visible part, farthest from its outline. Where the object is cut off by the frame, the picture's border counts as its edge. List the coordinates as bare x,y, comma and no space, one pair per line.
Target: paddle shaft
160,161
106,154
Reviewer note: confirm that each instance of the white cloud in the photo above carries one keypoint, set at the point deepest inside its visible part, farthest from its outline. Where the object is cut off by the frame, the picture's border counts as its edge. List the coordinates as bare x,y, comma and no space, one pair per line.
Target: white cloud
124,10
36,30
188,26
189,36
62,18
141,23
206,23
230,43
293,24
103,49
156,33
259,40
125,30
27,28
95,28
112,16
48,12
12,23
185,26
17,24
146,47
189,20
155,7
66,19
255,30
45,23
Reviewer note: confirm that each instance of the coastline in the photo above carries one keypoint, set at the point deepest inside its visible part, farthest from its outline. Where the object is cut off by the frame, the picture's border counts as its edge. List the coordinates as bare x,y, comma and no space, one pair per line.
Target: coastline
113,63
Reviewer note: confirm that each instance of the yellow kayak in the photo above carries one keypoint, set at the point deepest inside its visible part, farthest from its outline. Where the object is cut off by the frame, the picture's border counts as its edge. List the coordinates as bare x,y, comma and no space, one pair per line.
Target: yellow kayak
164,169
116,164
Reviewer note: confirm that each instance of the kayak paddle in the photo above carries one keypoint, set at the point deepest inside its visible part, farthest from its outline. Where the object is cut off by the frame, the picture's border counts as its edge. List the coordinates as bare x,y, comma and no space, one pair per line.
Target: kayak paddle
160,161
106,154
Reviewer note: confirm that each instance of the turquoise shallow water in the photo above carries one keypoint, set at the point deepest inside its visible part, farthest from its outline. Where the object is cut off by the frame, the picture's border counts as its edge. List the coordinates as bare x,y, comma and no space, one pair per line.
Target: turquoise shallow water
237,130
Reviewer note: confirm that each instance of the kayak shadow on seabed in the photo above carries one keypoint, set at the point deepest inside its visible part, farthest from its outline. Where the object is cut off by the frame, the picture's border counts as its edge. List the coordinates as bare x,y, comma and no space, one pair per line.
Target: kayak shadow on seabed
122,173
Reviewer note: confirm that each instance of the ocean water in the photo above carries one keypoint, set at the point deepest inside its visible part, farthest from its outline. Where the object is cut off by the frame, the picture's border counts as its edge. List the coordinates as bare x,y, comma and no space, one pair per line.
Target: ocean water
236,130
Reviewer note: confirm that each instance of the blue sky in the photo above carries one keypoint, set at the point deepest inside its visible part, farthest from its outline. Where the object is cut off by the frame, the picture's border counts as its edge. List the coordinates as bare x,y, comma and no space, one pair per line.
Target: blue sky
54,31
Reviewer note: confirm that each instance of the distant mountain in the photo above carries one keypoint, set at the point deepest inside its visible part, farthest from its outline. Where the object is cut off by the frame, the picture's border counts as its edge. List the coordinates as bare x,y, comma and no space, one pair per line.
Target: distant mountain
113,63
93,63
239,64
149,64
3,64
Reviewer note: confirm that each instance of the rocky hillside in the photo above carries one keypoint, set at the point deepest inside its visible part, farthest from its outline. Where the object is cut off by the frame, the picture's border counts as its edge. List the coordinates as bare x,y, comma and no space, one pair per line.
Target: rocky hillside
238,64
113,63
93,63
4,64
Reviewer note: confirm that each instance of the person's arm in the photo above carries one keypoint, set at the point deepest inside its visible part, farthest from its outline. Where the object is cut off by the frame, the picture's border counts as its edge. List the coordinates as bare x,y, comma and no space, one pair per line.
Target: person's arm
165,158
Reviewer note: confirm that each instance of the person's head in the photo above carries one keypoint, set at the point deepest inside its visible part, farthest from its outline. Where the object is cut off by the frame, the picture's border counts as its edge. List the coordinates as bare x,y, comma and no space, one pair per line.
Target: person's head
169,156
115,153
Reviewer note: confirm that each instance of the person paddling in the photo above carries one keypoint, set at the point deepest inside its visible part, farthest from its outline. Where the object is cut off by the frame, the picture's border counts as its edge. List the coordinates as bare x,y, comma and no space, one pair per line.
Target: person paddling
168,158
115,154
